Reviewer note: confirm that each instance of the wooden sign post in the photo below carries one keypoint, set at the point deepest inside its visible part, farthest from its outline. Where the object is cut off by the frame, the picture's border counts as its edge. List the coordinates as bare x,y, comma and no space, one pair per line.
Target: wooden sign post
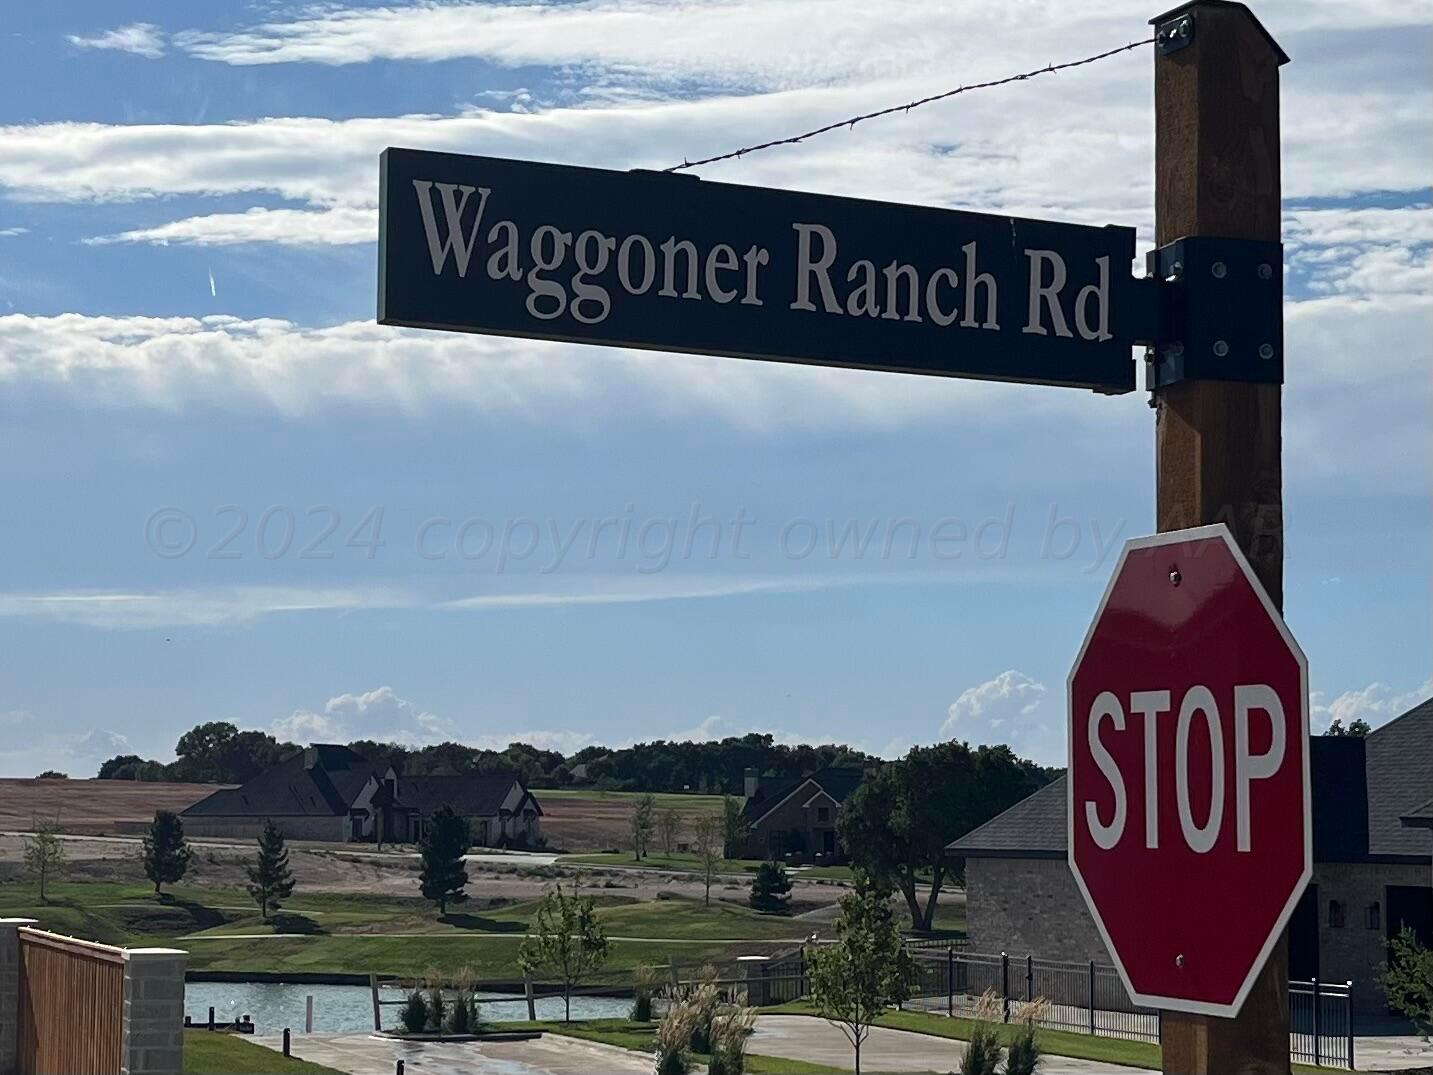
1217,442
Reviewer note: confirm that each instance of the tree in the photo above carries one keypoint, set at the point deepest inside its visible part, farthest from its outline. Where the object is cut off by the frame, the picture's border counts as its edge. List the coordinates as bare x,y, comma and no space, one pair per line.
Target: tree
669,826
1357,729
166,856
897,823
770,888
734,826
270,881
53,774
110,769
44,855
445,841
566,939
868,968
707,842
643,822
1407,979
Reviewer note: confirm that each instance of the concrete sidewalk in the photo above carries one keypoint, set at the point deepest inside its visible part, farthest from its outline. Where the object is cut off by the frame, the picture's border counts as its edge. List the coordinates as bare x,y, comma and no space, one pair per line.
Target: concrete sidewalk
801,1037
368,1054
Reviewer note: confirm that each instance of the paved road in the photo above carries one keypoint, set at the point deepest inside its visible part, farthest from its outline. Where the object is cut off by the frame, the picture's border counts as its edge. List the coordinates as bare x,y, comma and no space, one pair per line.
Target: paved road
1394,1052
367,1054
800,1037
514,936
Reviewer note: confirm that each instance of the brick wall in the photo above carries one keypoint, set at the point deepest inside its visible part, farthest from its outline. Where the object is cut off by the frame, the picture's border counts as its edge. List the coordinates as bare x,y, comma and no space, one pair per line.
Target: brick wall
1355,951
153,1012
1029,907
294,828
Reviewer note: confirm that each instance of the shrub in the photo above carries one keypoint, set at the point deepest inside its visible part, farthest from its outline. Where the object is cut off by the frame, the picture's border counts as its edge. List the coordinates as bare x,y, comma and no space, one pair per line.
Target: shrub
1023,1056
729,1033
770,888
437,1008
463,1014
982,1051
1407,979
414,1016
704,1001
674,1040
646,981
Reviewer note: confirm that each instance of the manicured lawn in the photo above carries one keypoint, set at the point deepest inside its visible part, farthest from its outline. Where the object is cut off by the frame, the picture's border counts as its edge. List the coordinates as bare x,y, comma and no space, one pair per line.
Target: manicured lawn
208,1053
641,1037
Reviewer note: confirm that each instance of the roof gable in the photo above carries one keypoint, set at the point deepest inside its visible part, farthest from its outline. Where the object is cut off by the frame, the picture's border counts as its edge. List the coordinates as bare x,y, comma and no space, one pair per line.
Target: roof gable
838,783
1400,775
319,781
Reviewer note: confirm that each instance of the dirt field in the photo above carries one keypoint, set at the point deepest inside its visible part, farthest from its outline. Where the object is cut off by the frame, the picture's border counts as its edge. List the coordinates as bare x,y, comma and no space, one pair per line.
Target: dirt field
91,806
572,821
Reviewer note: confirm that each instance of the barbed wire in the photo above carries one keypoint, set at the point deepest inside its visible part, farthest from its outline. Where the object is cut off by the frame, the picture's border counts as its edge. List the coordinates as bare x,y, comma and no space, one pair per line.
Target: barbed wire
736,154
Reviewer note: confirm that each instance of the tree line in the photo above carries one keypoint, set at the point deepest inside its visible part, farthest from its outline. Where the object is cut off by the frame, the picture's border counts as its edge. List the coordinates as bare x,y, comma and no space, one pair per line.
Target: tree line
218,752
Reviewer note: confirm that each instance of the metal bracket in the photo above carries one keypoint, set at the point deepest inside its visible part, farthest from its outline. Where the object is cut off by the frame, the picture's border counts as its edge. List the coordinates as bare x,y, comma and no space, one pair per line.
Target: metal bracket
1175,34
1219,311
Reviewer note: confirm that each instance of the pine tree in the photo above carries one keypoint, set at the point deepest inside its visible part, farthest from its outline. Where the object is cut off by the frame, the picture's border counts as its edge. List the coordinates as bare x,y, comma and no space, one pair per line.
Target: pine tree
445,842
166,856
270,881
770,888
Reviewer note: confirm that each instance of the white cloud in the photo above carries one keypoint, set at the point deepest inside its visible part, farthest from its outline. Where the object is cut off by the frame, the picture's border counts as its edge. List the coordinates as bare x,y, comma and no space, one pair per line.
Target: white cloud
141,38
98,744
1376,704
1013,709
10,233
377,714
191,608
336,226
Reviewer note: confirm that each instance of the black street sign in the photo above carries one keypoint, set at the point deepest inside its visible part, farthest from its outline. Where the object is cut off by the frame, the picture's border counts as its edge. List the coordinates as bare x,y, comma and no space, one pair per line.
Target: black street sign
674,263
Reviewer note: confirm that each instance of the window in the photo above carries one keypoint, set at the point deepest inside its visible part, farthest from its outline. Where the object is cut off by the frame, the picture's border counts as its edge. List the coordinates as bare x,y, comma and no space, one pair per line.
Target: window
823,813
1373,916
1335,914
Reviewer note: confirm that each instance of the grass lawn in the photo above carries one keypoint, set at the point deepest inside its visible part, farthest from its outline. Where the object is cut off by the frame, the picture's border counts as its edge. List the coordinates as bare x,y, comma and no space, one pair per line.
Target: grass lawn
208,1053
641,1037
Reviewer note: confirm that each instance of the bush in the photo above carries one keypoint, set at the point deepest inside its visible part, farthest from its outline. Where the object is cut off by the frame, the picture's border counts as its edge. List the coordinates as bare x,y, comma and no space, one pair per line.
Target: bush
674,1040
646,981
1407,979
982,1051
1023,1056
414,1016
729,1033
463,1014
437,1008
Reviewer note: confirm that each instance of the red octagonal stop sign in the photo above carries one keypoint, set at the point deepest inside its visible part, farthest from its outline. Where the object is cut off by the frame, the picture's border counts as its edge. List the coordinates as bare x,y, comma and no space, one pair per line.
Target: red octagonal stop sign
1189,821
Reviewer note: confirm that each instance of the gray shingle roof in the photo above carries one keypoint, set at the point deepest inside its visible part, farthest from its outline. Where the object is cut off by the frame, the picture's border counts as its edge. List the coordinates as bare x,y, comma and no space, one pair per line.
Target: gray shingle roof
836,781
472,795
1396,771
319,782
1400,776
1032,828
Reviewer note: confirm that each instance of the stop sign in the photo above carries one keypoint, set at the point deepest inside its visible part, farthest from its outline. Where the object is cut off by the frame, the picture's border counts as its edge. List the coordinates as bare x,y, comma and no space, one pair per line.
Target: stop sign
1189,815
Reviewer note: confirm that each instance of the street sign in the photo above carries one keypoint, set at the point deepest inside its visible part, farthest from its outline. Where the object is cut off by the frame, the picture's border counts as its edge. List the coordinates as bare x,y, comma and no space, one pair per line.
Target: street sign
1189,814
675,263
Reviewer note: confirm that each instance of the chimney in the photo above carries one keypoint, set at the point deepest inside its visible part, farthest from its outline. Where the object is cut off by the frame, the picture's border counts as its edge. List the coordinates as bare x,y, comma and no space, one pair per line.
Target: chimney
749,781
310,757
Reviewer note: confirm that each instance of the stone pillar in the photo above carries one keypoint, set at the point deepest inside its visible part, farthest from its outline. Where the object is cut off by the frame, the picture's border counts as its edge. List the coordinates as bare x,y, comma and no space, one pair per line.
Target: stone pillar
10,990
153,1012
758,988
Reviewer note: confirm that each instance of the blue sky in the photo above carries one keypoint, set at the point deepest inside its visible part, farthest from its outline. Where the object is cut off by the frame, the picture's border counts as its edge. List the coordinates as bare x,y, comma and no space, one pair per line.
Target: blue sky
225,493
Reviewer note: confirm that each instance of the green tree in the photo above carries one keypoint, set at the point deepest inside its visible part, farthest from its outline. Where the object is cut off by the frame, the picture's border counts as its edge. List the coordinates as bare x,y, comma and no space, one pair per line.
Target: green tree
669,827
445,841
896,825
643,823
1357,729
44,856
270,880
53,774
129,762
566,939
770,888
734,826
166,856
868,968
707,842
1407,979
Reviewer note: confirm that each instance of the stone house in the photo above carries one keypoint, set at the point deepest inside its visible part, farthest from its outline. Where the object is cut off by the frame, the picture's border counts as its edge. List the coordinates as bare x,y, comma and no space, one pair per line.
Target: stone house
1373,864
329,792
797,816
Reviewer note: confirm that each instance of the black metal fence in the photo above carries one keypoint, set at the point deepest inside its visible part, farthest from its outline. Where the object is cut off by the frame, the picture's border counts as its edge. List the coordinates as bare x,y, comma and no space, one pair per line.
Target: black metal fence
1086,998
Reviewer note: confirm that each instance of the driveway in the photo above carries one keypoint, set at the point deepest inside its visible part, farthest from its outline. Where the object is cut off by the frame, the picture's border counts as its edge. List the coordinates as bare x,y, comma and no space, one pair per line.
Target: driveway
367,1054
800,1037
1392,1052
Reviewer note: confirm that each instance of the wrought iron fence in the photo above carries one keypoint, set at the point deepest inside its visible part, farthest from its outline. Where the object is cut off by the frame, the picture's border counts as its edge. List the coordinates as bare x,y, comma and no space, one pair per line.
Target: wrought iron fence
1086,998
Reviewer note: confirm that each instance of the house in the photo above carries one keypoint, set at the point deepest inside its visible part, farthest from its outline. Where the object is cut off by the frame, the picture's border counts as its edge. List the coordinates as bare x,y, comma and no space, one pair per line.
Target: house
329,792
1372,857
796,816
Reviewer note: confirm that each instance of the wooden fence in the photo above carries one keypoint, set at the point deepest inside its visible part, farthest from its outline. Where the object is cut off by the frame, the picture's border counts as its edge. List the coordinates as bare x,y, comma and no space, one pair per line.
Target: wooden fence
71,1008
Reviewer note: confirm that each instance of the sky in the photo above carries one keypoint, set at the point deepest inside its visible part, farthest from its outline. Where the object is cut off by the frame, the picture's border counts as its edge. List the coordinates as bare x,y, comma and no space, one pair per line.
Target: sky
226,493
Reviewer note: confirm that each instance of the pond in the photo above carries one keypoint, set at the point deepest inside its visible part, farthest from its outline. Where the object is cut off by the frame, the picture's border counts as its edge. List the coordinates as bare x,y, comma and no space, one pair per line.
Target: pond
348,1009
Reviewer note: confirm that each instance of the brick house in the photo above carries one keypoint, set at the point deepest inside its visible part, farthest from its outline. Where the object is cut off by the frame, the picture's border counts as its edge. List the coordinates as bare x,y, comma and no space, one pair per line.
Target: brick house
1373,863
797,816
329,792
